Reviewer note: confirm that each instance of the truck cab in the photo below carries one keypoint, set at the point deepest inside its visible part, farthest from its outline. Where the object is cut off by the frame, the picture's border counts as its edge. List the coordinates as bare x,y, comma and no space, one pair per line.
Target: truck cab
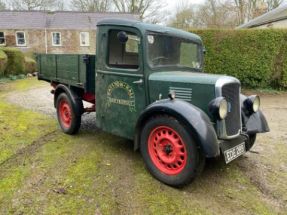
146,83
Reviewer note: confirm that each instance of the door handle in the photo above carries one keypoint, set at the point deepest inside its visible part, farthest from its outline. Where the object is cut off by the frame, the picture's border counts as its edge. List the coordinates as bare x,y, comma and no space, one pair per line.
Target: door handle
138,81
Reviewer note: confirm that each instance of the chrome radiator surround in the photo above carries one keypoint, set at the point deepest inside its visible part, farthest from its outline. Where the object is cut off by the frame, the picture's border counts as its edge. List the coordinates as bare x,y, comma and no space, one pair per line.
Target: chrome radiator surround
221,124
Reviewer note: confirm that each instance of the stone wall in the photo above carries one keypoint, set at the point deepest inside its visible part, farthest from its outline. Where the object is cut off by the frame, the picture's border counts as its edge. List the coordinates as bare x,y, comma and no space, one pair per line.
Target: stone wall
36,41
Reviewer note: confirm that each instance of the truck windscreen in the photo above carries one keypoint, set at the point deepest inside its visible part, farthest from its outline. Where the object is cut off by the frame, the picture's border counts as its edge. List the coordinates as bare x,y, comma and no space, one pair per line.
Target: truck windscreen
170,51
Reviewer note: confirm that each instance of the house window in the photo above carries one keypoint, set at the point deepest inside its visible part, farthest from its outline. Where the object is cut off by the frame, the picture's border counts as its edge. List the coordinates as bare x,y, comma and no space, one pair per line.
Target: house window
2,38
84,39
20,38
56,39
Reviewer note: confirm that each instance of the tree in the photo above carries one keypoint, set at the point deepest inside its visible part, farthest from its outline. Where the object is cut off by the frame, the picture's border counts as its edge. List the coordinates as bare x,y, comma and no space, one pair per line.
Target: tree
240,6
272,4
217,14
60,5
249,9
147,9
221,13
184,16
2,5
33,4
91,5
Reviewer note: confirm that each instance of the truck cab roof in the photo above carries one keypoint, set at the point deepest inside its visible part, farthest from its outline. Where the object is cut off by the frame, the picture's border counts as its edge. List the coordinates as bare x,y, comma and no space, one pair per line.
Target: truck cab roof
144,27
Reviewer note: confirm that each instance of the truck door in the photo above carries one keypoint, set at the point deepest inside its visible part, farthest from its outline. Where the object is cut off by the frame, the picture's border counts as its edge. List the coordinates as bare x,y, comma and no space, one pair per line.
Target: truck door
120,94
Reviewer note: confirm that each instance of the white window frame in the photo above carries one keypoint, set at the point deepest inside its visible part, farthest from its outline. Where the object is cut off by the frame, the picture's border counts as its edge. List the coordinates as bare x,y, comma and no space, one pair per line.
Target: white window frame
56,32
88,38
25,44
3,44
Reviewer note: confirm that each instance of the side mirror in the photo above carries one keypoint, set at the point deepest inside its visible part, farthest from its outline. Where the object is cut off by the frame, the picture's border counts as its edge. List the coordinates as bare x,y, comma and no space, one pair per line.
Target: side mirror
122,37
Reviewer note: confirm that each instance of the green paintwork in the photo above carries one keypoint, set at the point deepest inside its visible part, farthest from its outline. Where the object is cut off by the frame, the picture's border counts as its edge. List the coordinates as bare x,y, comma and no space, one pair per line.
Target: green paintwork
185,77
196,88
120,98
119,119
68,69
144,27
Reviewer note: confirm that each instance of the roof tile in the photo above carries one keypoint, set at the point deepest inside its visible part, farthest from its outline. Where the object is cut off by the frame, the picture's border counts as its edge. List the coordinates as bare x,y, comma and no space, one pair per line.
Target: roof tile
56,20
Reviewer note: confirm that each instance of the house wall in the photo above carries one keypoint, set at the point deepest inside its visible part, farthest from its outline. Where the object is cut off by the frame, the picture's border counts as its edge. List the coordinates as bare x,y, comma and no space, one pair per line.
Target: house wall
278,25
36,41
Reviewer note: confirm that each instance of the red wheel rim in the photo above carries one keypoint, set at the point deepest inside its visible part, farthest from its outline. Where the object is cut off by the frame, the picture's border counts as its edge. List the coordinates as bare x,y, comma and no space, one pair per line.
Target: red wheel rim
65,113
167,150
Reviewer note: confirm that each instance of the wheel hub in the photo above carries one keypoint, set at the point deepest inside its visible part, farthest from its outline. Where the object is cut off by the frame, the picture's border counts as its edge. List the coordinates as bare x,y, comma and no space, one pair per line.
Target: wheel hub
65,113
167,150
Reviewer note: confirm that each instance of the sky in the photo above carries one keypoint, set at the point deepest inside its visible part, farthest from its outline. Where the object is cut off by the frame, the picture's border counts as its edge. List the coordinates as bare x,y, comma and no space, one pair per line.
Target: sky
171,6
173,3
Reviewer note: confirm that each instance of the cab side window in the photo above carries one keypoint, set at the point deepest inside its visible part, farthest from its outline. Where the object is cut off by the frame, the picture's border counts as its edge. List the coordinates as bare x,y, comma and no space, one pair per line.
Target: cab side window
121,54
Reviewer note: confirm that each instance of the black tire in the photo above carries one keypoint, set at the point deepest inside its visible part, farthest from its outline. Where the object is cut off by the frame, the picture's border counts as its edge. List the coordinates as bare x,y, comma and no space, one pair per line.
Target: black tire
75,111
194,158
250,143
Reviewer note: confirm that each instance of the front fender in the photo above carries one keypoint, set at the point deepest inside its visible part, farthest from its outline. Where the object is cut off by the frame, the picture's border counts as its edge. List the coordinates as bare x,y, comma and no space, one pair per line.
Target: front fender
254,123
192,117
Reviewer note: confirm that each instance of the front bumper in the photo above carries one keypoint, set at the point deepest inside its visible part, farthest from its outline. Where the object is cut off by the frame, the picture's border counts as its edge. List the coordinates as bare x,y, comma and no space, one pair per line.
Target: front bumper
228,144
233,148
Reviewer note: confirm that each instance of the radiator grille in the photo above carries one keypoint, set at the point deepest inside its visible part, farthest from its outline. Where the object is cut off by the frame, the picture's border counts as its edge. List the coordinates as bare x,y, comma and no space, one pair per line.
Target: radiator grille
182,93
231,92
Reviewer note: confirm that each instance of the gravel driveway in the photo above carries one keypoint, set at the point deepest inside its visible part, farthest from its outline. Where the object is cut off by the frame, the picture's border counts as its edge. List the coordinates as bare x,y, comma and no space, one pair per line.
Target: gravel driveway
41,100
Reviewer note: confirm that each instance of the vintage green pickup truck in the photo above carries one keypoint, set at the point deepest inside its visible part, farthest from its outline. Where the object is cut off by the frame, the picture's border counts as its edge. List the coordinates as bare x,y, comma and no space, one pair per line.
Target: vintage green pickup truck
146,83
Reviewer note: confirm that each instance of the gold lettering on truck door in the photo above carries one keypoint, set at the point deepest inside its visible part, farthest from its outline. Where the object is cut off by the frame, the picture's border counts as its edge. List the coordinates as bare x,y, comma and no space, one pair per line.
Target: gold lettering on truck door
126,98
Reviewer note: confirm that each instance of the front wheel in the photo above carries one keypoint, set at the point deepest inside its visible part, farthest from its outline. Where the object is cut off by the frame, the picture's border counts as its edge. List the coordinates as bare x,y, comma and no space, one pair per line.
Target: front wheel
250,143
170,152
69,115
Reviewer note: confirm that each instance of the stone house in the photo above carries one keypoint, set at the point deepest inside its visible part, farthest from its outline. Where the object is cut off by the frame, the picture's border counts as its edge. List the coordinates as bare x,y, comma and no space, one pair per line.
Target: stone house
276,18
53,32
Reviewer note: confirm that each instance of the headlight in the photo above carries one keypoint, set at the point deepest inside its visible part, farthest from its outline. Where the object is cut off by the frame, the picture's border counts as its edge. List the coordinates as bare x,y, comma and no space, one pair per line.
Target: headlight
218,108
252,104
223,109
256,104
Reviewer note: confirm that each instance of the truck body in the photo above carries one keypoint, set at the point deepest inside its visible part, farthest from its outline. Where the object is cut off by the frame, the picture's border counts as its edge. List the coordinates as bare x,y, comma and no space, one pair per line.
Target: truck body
146,83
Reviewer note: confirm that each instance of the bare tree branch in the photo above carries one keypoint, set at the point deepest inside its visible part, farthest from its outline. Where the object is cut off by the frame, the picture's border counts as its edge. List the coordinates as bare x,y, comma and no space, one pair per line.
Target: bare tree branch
34,4
91,5
272,4
147,9
2,6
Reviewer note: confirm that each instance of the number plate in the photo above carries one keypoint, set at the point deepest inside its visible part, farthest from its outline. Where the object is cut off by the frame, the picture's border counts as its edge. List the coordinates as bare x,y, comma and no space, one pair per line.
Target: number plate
234,152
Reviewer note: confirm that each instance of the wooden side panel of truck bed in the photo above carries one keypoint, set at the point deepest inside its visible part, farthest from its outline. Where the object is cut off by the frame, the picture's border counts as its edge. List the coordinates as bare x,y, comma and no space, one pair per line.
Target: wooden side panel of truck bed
70,69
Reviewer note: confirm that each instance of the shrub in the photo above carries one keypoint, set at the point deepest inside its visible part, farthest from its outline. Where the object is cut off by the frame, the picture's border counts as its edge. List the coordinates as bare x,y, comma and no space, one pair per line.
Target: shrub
3,62
258,58
30,65
16,61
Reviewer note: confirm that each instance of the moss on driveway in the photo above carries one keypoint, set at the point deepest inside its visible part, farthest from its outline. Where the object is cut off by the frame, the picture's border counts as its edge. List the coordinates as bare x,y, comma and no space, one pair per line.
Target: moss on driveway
43,171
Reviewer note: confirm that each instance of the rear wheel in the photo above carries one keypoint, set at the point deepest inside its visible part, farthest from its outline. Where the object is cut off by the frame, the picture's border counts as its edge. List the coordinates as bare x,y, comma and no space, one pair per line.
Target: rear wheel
69,116
170,152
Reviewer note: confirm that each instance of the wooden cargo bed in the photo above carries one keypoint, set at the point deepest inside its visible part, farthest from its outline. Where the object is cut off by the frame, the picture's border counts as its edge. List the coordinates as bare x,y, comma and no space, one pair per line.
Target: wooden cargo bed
69,69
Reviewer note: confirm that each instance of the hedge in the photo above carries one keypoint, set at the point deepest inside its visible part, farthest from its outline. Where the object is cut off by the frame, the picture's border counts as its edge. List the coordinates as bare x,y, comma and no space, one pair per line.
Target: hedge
257,57
16,61
30,65
3,62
